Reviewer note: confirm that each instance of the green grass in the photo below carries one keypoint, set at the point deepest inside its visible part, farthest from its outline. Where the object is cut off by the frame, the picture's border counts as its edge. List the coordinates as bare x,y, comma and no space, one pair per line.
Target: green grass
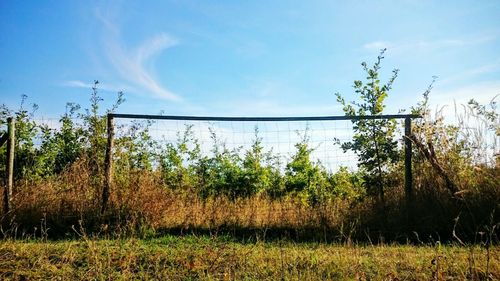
204,258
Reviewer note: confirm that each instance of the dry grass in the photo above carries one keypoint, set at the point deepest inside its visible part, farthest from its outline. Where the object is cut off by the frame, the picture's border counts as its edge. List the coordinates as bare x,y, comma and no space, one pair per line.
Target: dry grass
141,205
54,206
204,258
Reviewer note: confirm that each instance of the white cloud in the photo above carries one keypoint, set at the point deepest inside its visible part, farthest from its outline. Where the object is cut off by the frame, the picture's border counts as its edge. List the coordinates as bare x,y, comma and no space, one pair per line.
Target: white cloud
452,105
452,100
265,107
429,45
473,72
421,45
101,86
130,63
377,45
481,91
76,84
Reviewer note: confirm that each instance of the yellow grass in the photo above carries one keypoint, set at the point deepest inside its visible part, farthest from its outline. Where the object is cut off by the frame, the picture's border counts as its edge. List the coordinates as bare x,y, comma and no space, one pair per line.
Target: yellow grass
205,258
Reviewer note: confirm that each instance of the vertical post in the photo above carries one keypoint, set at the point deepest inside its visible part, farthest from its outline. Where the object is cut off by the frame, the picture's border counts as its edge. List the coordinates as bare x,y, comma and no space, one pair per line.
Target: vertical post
408,172
9,181
108,181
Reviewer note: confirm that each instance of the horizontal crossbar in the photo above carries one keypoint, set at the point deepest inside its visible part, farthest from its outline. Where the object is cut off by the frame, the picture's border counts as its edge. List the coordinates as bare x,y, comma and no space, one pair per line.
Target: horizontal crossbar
260,119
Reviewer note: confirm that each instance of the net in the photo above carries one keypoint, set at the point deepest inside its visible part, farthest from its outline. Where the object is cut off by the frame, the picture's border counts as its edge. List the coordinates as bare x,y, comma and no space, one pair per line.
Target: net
279,139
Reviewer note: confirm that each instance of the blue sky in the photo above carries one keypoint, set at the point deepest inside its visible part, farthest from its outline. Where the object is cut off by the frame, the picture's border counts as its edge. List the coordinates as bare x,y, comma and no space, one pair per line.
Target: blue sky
270,58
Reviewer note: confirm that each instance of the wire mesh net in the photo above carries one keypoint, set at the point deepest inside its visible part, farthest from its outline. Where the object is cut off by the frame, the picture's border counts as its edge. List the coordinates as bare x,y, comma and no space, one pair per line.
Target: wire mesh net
277,138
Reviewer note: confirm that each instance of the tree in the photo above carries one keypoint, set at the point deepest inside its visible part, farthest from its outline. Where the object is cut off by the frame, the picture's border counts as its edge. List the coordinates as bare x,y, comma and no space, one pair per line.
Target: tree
373,141
305,177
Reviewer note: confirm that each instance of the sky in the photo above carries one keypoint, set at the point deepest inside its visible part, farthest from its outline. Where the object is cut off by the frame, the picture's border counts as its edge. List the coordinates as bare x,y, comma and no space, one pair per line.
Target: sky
244,58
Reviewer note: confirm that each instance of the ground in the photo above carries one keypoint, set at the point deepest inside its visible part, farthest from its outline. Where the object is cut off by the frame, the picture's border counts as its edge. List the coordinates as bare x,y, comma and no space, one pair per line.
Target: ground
221,258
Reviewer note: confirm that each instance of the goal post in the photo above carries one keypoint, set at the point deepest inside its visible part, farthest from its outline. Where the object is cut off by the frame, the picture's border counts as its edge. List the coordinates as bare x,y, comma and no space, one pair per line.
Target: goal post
227,127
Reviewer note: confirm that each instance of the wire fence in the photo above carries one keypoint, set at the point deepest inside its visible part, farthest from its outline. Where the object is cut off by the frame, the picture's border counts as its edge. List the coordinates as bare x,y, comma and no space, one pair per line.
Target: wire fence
277,138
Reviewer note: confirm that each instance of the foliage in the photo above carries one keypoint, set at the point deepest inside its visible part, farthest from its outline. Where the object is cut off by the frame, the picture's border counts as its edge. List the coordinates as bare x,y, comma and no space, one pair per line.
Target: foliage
489,120
34,162
304,177
487,113
455,150
347,184
222,173
257,168
455,171
43,151
374,139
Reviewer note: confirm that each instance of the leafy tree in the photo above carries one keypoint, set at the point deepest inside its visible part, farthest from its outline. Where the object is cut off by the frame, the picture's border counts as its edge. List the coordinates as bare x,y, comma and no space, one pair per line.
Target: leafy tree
27,151
305,177
374,139
256,175
69,139
222,173
179,162
61,146
43,151
347,184
95,128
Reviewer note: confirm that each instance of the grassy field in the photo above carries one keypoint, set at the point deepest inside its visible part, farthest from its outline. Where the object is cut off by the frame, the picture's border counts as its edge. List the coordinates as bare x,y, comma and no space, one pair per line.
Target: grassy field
162,190
205,258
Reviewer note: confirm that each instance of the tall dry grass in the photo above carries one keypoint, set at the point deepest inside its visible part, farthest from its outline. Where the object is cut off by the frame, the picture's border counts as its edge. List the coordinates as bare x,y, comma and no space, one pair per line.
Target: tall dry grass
145,207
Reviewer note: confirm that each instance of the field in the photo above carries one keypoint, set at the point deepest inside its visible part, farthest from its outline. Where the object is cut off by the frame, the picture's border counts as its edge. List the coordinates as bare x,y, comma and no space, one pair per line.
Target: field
83,203
222,258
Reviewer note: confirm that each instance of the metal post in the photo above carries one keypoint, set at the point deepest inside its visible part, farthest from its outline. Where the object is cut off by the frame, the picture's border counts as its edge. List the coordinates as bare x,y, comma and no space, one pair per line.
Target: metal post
408,172
108,181
7,198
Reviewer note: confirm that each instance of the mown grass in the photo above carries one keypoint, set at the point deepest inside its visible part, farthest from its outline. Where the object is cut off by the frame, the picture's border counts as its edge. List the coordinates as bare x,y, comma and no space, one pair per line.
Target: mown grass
207,258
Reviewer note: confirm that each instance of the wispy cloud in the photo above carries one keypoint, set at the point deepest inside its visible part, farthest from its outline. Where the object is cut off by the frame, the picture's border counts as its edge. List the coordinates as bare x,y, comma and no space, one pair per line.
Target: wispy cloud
130,63
265,107
483,92
377,45
472,72
421,45
429,45
76,84
102,86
